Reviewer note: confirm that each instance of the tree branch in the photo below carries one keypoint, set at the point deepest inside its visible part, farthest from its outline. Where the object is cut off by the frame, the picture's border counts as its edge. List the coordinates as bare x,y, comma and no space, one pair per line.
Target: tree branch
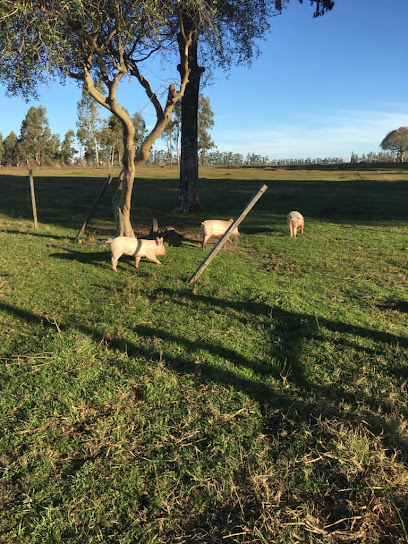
134,70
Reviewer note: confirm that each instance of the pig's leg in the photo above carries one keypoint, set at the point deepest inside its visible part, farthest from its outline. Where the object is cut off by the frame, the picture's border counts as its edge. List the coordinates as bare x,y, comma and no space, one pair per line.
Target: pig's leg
114,263
205,240
301,228
137,261
154,259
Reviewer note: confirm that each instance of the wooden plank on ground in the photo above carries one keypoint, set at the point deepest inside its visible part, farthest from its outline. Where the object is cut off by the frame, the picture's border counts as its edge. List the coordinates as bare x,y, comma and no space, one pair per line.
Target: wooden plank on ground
33,203
227,234
93,208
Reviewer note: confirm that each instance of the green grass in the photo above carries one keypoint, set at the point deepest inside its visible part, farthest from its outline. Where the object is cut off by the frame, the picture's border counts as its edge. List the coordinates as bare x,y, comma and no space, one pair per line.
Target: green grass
266,403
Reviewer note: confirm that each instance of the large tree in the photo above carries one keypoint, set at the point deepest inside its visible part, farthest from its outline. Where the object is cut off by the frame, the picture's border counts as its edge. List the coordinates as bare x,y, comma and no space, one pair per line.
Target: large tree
10,146
88,125
36,143
205,122
102,40
171,134
396,141
111,137
67,148
237,27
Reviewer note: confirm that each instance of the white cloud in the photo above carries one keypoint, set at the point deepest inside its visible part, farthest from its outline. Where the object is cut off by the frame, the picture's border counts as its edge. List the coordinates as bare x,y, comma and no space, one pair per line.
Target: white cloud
334,134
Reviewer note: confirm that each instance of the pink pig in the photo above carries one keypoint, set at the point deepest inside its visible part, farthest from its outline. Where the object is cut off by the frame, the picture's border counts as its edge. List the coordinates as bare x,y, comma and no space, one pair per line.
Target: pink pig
216,227
295,222
126,245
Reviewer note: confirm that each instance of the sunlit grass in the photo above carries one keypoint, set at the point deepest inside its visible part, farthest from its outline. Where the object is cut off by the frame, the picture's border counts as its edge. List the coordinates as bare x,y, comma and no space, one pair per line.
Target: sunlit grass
265,403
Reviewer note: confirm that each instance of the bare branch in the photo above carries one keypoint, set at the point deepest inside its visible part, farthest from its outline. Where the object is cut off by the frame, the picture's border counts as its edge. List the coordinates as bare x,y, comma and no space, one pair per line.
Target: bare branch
134,70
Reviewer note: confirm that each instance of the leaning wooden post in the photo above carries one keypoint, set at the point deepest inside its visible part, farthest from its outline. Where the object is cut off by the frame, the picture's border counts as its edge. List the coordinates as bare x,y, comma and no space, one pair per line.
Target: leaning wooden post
93,208
227,234
33,204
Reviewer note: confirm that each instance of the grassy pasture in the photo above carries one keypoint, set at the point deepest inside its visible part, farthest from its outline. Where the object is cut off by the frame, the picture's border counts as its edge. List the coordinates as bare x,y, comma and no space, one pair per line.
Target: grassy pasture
265,404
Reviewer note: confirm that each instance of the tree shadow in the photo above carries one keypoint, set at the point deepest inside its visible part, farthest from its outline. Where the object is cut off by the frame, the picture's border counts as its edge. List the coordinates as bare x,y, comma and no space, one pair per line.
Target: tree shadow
301,401
334,201
287,339
290,333
400,306
34,233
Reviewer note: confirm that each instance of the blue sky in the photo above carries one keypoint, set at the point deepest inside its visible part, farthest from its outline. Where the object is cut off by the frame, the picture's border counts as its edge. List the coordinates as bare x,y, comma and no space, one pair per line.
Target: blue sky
321,87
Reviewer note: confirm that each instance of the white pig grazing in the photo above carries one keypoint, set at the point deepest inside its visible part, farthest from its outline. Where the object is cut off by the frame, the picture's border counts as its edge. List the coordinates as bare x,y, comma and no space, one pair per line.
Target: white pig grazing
216,227
126,245
296,222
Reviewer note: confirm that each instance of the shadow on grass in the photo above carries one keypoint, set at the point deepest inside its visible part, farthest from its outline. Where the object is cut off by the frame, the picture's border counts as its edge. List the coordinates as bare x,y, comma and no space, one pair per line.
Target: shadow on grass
287,340
354,202
88,257
400,306
301,402
34,233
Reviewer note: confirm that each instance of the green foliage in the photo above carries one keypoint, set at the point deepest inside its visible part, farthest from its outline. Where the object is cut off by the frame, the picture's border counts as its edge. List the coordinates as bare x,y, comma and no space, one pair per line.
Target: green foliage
205,120
10,149
237,27
36,143
111,138
67,149
171,134
140,128
396,141
88,125
266,403
40,39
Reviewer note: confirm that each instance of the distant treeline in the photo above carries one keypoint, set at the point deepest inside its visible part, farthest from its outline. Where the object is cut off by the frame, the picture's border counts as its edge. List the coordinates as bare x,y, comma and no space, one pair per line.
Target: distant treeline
103,146
228,158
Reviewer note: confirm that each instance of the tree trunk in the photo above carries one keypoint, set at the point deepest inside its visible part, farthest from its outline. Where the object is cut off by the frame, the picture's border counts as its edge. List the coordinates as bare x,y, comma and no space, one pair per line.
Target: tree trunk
123,200
188,190
96,152
112,156
123,196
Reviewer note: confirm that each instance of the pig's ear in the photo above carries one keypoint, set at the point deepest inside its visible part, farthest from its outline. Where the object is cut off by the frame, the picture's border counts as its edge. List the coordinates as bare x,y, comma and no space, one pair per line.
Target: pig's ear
231,220
159,241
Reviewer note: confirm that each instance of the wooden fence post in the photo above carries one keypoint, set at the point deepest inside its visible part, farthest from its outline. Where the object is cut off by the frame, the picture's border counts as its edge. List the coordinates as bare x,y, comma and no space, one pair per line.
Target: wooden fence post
227,234
33,204
93,208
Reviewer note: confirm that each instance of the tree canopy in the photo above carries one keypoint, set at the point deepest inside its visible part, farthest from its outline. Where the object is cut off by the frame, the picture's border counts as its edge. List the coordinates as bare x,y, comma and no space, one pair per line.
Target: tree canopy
102,40
87,125
67,148
205,123
396,141
105,40
1,148
111,138
233,38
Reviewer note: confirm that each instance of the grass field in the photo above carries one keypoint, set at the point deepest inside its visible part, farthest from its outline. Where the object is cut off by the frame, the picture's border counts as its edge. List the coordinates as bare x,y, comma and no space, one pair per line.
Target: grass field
267,403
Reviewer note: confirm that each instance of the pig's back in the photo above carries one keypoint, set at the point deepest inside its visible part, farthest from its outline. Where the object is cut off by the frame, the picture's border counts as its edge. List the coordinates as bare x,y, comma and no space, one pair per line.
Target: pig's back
295,216
216,225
